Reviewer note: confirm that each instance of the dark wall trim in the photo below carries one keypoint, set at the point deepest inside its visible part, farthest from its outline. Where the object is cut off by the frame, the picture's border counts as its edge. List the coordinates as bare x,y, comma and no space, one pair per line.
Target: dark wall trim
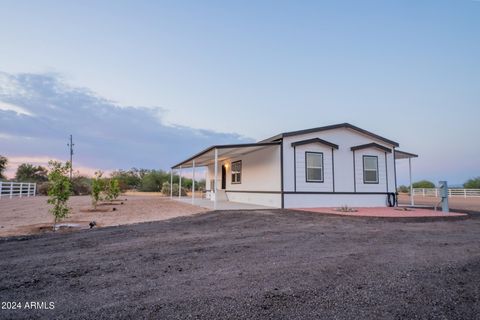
281,175
327,192
395,168
315,140
252,191
323,168
333,172
378,170
386,171
302,192
371,145
224,177
354,174
294,168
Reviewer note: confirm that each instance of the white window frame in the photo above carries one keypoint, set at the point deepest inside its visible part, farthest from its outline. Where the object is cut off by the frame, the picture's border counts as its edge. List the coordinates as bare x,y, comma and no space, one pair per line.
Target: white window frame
236,173
371,170
320,167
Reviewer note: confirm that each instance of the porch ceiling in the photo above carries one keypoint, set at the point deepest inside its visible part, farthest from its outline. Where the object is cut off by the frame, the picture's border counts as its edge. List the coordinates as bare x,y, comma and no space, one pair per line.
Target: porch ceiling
404,155
207,156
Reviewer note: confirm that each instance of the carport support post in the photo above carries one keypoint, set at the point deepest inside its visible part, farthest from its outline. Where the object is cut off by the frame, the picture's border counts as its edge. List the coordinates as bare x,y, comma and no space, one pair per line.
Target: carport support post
410,177
193,182
171,183
180,183
215,180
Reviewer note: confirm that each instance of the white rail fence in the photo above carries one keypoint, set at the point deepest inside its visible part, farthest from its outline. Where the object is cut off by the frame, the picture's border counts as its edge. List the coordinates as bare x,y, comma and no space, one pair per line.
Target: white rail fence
433,192
17,189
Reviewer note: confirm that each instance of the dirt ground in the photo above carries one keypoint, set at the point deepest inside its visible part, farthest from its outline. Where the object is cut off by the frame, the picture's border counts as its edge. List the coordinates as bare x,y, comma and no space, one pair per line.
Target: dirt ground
30,215
271,264
458,203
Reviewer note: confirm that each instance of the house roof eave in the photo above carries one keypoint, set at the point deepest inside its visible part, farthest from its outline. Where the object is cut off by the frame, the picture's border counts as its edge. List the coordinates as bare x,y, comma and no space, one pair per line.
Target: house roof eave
371,145
225,146
332,127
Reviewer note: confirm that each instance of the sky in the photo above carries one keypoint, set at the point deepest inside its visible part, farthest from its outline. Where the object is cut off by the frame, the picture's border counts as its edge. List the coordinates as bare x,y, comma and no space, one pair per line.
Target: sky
148,83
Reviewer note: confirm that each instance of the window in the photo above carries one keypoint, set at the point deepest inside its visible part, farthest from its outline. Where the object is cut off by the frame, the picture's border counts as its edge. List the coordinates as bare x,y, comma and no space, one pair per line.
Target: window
314,166
237,172
370,169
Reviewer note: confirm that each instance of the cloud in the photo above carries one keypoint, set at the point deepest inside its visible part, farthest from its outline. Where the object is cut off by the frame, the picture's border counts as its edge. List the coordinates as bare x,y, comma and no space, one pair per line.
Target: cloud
7,106
38,112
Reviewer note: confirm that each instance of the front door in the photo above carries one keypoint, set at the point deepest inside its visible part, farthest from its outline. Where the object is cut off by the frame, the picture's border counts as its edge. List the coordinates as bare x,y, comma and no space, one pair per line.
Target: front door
224,177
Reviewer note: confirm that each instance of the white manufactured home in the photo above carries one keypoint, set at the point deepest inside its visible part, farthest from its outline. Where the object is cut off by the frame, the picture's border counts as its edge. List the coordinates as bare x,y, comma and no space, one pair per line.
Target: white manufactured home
328,166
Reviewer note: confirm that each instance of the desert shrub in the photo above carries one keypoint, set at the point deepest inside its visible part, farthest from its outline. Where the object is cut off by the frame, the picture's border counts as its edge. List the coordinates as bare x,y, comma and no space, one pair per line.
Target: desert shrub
148,180
59,190
346,208
473,183
42,188
27,172
403,189
3,166
423,184
98,185
166,189
200,185
153,180
81,185
127,180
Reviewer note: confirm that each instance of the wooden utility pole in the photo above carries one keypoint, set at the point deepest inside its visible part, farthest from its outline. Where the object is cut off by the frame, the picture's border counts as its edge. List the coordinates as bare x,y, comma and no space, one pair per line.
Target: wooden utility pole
71,155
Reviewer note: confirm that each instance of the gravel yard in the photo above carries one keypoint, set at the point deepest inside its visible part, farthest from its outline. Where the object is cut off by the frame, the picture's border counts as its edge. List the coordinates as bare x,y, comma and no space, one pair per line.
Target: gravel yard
273,264
20,216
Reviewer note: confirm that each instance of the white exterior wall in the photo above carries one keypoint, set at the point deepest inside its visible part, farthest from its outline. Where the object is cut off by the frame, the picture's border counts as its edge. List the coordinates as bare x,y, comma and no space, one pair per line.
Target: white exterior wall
343,171
382,172
334,200
301,179
262,199
209,176
260,172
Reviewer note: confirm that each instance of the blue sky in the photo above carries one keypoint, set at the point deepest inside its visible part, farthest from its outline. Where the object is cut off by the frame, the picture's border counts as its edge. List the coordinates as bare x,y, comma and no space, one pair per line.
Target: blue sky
219,71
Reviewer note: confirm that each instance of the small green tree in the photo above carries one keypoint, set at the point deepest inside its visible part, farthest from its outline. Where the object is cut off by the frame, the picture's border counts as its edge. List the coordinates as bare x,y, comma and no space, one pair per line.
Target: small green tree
115,187
3,166
59,190
473,183
423,184
403,189
97,188
112,189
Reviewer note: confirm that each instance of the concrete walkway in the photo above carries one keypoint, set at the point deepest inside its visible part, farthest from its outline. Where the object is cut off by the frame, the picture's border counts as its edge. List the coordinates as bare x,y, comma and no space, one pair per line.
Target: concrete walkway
221,205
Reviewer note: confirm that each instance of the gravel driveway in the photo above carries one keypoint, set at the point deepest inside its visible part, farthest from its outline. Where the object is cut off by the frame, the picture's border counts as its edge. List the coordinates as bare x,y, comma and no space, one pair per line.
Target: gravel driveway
249,265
